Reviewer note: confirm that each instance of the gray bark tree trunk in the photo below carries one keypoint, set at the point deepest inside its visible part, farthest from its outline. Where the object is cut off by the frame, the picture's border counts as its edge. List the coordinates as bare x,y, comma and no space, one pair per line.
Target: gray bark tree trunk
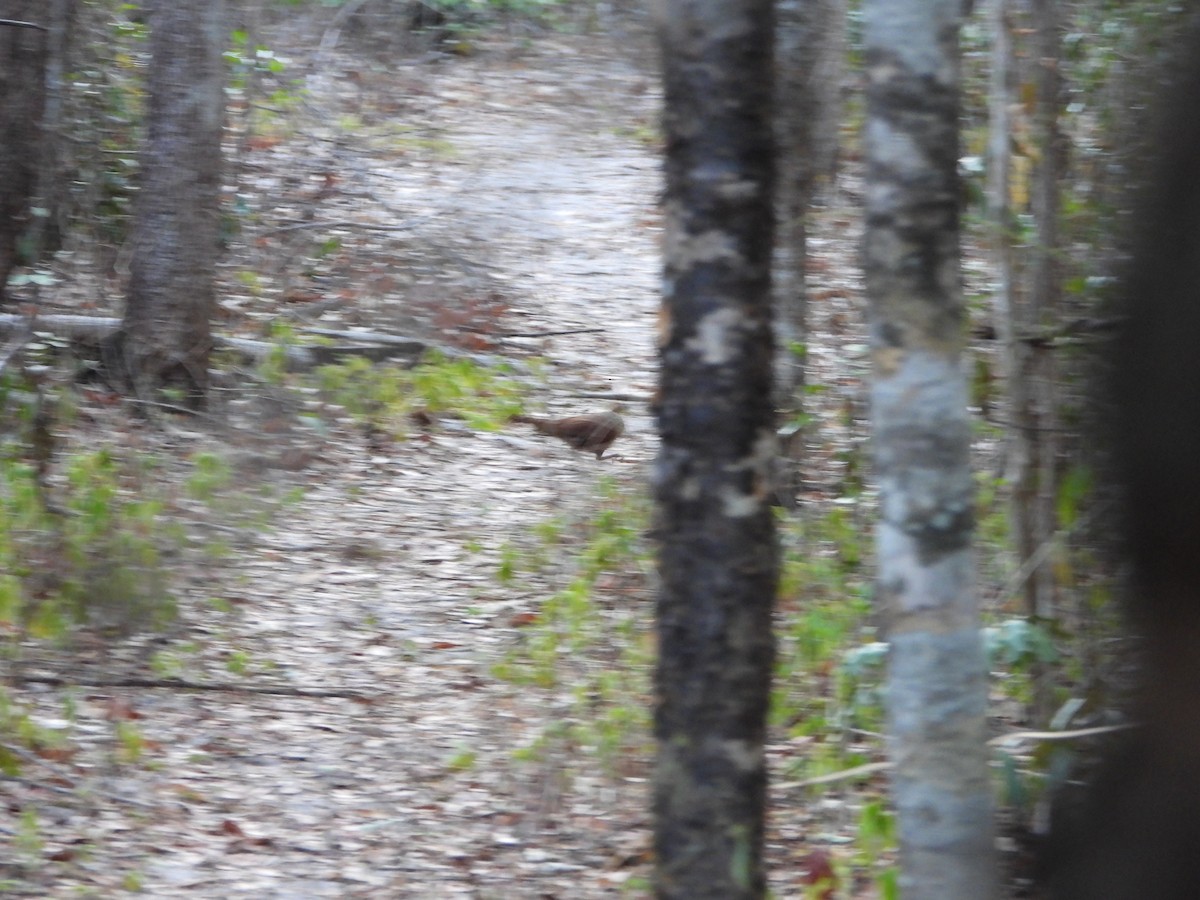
46,235
718,555
167,340
809,61
937,689
23,46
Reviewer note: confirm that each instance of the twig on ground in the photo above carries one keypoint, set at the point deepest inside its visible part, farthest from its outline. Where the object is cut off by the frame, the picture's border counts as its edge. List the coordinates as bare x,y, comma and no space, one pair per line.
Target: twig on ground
184,685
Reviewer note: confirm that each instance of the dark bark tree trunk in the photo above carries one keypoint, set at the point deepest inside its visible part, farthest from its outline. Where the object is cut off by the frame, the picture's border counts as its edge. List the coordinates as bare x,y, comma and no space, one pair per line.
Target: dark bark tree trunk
718,556
1000,212
937,688
809,52
1137,836
23,46
1045,300
167,340
1036,413
1032,383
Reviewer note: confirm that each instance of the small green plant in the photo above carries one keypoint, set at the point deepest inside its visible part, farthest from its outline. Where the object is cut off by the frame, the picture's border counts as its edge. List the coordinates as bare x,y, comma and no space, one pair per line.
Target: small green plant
256,85
274,366
250,280
1019,643
244,59
210,474
22,730
860,685
578,645
28,840
876,831
485,399
91,558
462,760
131,744
819,622
1017,649
173,662
221,605
876,845
133,882
637,886
382,396
109,541
508,564
828,669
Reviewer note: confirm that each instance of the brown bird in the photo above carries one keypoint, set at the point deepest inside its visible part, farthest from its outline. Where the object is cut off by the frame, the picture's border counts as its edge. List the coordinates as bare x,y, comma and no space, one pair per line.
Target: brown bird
593,432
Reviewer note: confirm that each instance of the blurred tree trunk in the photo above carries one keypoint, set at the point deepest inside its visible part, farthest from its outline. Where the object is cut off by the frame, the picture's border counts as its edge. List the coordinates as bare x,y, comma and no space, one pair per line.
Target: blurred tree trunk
1045,298
1138,832
23,46
166,338
810,52
1000,212
1033,397
48,229
937,688
718,556
1032,377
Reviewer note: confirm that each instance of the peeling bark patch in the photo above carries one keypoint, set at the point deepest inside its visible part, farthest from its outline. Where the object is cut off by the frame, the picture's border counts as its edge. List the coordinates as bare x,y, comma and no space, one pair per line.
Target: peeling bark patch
688,250
737,189
743,755
887,360
715,339
921,502
921,447
910,249
904,29
736,504
922,594
743,503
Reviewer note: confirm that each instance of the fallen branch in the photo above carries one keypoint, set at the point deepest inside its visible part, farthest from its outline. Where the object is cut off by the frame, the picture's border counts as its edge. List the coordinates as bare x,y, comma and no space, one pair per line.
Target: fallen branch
361,226
184,685
1004,740
844,775
541,334
413,345
1026,737
1053,336
17,23
377,348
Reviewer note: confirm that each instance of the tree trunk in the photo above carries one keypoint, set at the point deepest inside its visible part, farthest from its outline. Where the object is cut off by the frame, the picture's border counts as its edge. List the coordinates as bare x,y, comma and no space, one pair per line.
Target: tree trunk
1045,296
1000,214
718,556
48,229
23,43
808,105
937,689
1137,834
167,338
1032,381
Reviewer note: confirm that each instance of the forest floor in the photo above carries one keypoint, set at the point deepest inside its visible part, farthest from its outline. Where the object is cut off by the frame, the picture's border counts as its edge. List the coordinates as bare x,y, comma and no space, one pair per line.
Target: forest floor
368,715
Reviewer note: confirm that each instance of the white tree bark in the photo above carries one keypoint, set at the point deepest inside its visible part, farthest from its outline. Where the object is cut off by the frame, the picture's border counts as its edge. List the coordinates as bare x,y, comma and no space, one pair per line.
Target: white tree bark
937,682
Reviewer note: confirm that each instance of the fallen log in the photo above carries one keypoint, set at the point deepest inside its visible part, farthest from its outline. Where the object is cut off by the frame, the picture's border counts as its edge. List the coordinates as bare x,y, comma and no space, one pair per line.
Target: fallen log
300,358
